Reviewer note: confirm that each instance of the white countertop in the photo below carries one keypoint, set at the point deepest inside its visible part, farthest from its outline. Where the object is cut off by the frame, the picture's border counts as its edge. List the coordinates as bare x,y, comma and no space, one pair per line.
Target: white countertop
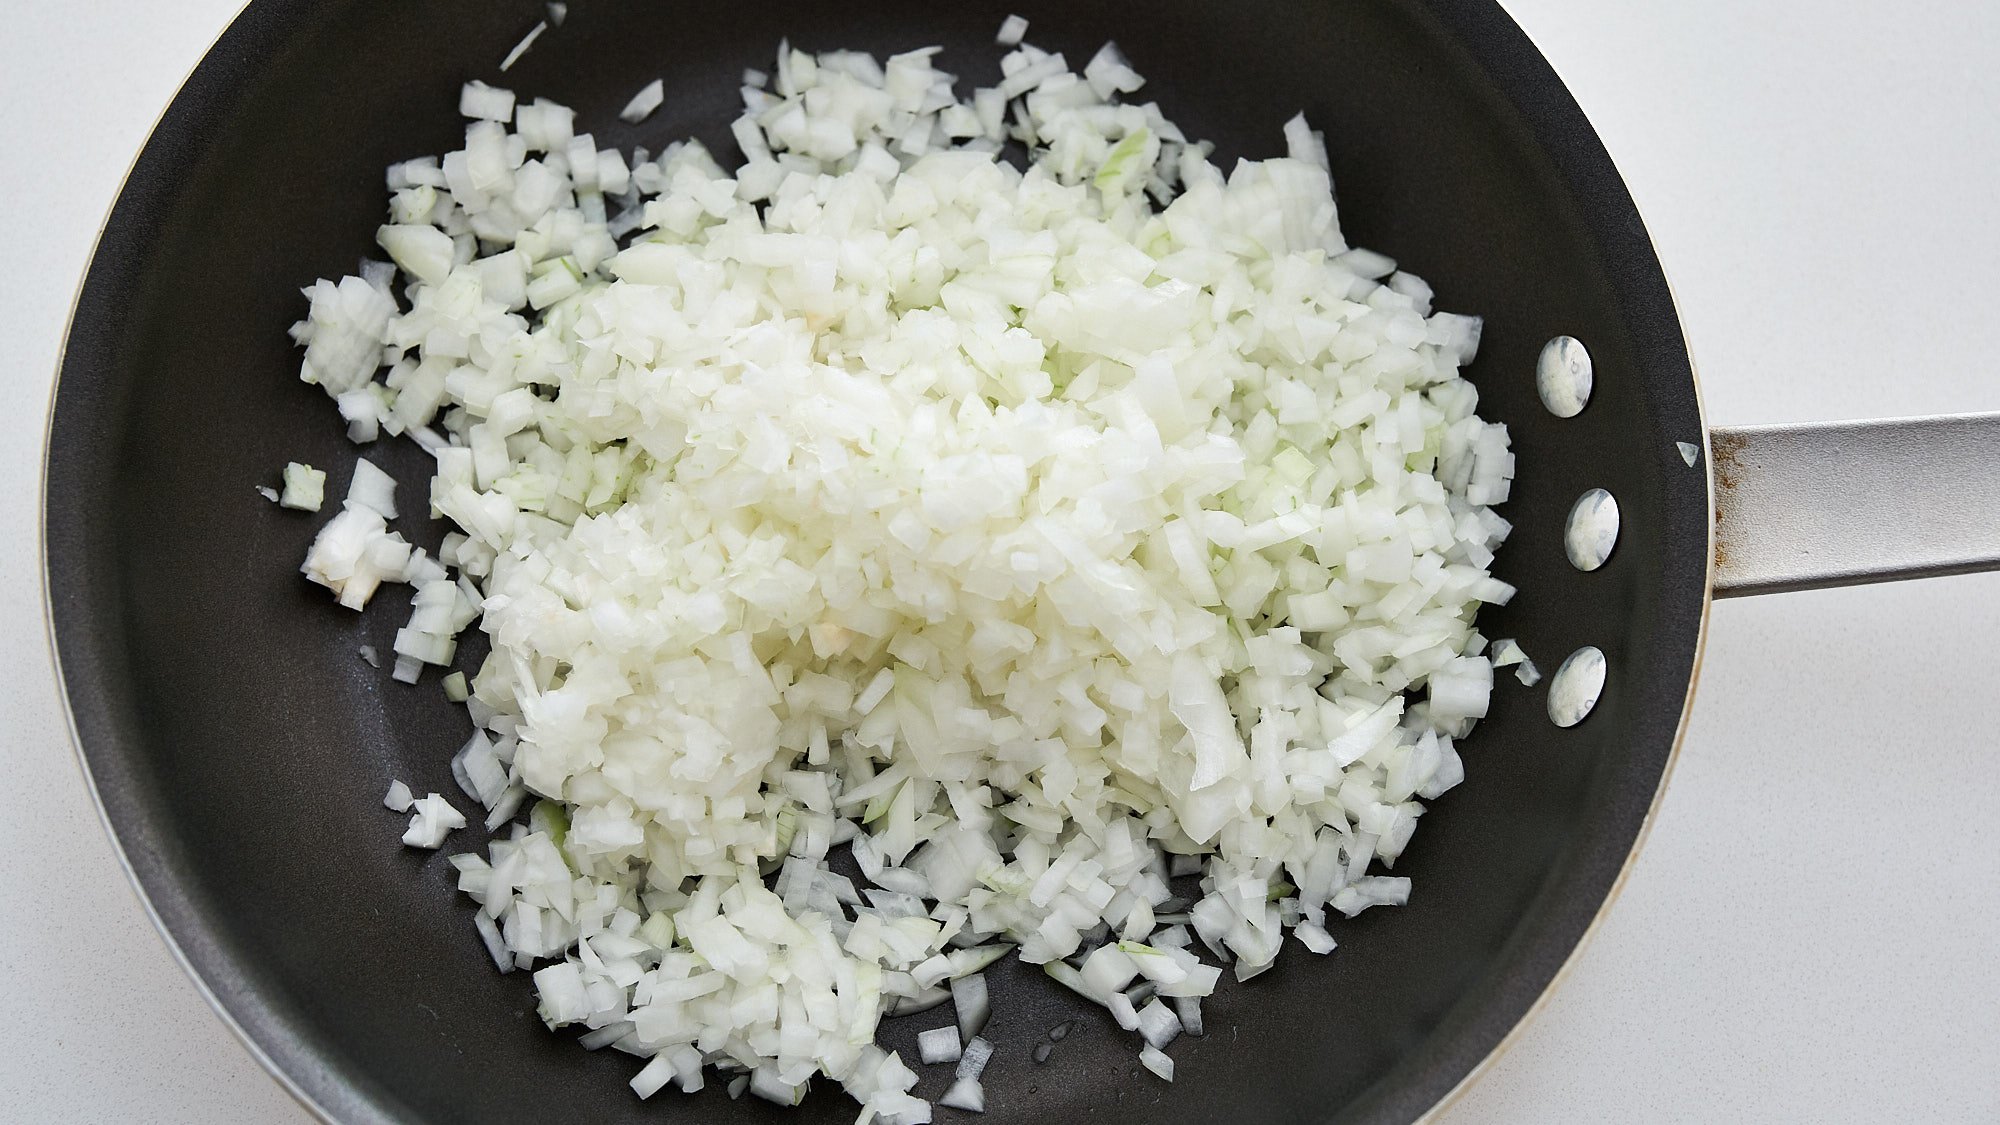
1813,932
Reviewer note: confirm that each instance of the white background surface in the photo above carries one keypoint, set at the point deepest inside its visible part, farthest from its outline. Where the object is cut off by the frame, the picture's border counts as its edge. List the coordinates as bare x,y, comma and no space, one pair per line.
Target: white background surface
1813,933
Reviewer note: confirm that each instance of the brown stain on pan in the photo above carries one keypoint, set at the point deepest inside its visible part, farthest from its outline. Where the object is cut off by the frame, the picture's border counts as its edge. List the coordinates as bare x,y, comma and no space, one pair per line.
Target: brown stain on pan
1726,458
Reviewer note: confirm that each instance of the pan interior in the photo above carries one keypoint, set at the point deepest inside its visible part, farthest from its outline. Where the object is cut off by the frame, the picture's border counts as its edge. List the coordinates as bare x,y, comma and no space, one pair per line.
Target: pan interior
240,746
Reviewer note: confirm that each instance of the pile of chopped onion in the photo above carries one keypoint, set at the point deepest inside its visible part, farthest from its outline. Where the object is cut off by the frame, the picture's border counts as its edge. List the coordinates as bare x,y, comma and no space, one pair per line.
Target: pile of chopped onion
1089,552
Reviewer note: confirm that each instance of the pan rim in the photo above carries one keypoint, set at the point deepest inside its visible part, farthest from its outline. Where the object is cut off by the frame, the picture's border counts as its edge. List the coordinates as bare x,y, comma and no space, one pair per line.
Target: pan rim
1453,13
133,881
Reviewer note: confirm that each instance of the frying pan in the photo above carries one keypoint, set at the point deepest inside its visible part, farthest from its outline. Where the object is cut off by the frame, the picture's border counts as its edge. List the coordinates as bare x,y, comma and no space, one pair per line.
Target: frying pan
238,747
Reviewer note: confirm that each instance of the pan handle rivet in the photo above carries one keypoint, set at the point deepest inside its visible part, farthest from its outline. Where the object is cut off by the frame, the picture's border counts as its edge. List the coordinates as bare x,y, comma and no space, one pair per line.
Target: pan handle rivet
1563,376
1591,533
1574,689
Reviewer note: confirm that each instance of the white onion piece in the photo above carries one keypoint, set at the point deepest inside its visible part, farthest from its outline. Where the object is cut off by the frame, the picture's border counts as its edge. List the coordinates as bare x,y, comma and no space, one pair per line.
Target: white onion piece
305,488
644,102
972,1062
478,100
1314,937
939,1045
526,42
1122,1011
1188,1008
1158,1024
965,1094
655,1074
968,997
432,819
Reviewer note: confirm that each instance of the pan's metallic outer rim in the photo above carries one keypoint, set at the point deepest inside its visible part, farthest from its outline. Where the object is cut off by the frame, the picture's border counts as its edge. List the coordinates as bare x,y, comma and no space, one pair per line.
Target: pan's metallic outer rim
319,1111
132,883
1514,1035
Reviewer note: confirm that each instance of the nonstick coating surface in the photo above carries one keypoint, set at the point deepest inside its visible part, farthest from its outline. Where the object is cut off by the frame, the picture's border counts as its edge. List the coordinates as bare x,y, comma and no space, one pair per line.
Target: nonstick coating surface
240,747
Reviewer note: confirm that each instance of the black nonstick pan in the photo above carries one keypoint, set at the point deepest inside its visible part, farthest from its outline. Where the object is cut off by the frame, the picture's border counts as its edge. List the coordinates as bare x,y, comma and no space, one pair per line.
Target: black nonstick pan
239,748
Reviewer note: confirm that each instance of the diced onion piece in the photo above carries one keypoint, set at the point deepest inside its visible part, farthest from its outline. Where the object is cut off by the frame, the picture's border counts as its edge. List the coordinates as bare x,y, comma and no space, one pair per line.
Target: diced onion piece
1158,1024
965,1094
1314,937
372,489
968,997
305,488
1122,1011
1188,1008
644,102
478,100
526,42
939,1045
432,819
972,1062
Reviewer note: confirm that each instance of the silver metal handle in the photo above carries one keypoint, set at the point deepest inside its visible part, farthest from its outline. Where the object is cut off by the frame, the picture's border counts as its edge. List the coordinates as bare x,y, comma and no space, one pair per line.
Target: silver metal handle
1845,503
